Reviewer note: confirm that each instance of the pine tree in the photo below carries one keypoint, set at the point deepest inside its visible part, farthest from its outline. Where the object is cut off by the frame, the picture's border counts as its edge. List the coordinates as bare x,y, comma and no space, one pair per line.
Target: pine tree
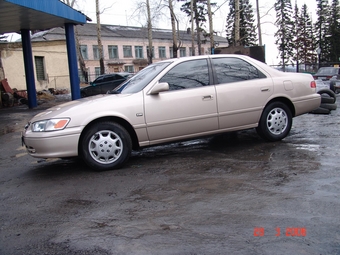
200,13
304,38
284,34
333,55
321,27
248,36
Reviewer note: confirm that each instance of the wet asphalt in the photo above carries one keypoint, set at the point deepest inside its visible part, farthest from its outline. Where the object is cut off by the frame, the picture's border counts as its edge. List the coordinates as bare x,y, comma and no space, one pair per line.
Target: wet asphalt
229,194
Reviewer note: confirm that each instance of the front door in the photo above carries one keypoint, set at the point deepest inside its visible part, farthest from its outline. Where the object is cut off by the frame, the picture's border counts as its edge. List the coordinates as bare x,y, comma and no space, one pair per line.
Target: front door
187,109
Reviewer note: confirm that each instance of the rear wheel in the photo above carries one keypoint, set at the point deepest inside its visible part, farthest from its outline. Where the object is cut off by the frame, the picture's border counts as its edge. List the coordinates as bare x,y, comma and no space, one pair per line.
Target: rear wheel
105,146
275,122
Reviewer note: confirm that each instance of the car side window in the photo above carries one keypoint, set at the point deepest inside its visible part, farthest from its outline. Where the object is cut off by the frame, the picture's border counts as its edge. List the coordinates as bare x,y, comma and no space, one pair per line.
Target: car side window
234,70
109,78
99,79
189,74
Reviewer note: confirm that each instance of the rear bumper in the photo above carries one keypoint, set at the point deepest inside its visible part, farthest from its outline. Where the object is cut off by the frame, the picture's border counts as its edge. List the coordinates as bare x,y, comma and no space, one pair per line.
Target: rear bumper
307,104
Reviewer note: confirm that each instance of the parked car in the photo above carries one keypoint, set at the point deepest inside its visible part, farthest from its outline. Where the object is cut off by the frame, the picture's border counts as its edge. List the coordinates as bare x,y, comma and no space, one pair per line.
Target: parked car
327,74
104,83
173,100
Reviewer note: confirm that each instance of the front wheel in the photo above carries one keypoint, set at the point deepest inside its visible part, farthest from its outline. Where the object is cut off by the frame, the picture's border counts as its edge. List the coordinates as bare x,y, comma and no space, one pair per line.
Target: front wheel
275,122
105,146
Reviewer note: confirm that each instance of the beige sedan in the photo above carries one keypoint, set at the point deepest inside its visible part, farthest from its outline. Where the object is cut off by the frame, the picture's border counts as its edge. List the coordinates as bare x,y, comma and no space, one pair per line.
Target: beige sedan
173,100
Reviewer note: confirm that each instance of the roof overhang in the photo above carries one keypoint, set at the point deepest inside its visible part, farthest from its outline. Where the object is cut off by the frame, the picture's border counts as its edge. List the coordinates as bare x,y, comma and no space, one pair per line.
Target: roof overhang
36,15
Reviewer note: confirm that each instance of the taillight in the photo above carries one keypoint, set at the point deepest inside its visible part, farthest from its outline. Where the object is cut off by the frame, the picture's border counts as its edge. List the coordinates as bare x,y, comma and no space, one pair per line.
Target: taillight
313,84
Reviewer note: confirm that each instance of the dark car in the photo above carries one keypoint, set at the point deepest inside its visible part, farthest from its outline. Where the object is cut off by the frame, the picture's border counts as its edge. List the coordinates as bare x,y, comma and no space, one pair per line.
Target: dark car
327,73
104,83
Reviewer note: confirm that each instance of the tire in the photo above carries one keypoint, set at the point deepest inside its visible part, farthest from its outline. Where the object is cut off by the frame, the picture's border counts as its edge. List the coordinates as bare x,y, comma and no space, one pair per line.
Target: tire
325,99
329,106
109,136
82,94
275,122
328,92
321,110
332,86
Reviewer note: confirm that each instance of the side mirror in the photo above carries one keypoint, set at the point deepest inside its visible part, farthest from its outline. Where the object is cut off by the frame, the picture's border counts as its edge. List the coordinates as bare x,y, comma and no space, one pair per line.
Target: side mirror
159,87
91,83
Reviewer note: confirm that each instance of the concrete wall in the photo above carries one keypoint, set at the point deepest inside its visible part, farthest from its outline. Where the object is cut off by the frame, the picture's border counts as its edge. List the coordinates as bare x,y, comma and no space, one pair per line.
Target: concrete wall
55,63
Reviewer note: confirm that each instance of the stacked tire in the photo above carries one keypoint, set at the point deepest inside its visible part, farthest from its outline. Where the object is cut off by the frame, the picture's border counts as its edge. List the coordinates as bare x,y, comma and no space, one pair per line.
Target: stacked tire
328,99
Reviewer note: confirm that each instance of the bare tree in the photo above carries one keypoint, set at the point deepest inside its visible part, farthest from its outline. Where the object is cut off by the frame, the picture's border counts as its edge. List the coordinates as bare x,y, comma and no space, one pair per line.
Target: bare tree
149,25
211,28
68,2
99,40
175,45
192,29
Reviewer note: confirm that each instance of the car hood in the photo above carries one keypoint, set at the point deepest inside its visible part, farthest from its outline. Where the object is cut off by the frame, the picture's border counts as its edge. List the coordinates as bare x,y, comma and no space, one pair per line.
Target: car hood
82,107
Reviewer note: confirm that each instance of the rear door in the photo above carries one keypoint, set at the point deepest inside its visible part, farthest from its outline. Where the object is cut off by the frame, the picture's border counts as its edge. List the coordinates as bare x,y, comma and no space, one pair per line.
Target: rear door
242,91
187,109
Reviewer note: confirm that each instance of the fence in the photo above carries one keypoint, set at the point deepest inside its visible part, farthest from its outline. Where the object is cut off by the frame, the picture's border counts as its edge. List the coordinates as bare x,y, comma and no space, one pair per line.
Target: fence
305,68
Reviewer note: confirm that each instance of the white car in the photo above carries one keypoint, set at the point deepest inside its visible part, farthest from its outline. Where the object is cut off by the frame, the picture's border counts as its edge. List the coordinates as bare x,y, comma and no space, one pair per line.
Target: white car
173,100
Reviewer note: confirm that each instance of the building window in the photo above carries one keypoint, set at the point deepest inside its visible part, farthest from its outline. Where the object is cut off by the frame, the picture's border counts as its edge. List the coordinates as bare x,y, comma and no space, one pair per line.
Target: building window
127,51
153,51
138,51
83,76
129,69
182,52
161,52
113,51
171,52
96,52
190,51
83,51
96,72
40,68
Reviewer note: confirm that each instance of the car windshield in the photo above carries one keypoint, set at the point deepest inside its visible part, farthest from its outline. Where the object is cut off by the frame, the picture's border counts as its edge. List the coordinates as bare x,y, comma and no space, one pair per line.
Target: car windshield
141,79
327,70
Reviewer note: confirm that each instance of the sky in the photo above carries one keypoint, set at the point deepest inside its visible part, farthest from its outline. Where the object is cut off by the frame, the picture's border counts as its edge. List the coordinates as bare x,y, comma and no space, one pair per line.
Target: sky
125,13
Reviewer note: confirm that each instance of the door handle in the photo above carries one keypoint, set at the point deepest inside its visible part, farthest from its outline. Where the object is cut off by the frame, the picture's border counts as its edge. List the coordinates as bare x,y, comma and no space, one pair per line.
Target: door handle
209,97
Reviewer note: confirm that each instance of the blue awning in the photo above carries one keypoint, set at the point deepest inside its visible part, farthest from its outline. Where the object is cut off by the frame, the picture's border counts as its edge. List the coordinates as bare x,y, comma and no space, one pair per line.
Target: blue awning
36,15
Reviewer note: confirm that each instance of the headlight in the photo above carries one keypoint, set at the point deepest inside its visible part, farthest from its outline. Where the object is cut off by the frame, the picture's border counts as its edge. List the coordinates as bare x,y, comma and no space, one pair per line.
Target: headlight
49,125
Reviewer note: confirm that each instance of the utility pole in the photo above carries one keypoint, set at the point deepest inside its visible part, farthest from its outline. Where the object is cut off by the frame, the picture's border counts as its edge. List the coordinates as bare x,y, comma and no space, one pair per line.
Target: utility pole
259,22
99,39
237,23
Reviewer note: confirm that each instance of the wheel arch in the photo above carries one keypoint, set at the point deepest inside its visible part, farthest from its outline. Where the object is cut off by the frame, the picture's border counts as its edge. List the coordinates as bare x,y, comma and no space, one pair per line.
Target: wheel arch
120,121
284,100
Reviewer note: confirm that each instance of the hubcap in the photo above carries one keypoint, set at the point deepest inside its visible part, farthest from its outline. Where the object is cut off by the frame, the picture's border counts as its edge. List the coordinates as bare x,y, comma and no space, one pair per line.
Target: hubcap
105,147
277,121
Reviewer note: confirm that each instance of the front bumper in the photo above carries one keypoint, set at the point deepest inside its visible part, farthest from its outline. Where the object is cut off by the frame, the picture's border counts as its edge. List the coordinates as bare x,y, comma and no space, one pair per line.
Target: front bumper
55,144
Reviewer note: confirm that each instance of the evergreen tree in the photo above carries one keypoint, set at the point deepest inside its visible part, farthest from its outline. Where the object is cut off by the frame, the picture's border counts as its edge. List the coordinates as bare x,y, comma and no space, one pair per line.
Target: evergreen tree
333,54
304,43
321,27
284,34
200,11
248,36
